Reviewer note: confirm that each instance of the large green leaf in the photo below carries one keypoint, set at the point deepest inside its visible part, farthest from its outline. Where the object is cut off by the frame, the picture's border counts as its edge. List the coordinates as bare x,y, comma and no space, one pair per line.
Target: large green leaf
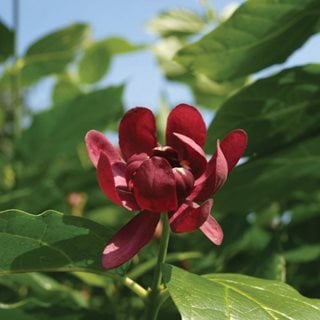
276,112
281,115
50,241
60,130
276,177
260,33
52,53
6,42
231,296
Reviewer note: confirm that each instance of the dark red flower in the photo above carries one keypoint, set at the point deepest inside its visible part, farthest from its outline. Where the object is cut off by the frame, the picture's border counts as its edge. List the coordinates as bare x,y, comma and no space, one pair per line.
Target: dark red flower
175,178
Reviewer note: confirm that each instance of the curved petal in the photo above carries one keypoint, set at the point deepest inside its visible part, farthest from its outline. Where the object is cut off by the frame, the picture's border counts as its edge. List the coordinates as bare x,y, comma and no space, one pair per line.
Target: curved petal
212,230
137,132
96,142
188,121
191,153
190,216
154,185
233,146
113,183
213,179
130,239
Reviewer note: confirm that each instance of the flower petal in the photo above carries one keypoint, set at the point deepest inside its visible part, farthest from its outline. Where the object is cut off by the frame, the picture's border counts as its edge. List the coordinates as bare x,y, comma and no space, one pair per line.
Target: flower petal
154,185
233,146
190,216
137,132
212,230
213,179
192,153
188,121
130,239
113,183
96,142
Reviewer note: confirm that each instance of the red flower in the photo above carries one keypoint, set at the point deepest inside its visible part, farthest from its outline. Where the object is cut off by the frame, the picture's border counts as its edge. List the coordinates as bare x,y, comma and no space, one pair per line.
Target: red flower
176,178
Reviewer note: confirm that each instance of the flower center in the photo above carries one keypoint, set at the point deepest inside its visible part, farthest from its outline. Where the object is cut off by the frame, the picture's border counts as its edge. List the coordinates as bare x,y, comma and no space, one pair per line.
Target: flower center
169,154
183,176
180,168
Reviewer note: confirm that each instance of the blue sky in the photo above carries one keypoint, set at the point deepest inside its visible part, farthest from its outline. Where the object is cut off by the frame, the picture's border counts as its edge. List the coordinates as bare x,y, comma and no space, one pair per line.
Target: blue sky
127,19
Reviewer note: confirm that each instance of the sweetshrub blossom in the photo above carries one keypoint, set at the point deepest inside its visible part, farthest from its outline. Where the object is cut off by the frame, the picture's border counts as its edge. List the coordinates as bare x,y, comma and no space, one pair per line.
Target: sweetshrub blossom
151,178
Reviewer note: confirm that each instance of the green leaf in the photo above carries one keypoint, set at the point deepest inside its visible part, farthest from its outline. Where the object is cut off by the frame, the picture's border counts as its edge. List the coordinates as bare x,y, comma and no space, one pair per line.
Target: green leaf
177,22
275,112
64,91
45,289
118,45
34,309
259,34
94,63
6,40
211,94
231,296
65,127
275,177
283,139
303,254
50,241
52,53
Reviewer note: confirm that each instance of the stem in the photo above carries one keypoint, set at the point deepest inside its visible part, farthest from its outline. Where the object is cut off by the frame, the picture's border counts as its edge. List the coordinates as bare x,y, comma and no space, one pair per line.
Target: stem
16,94
155,300
135,287
171,257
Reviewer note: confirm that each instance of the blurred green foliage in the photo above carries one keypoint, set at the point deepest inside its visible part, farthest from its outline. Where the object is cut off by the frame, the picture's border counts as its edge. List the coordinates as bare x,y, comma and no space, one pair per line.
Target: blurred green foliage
269,208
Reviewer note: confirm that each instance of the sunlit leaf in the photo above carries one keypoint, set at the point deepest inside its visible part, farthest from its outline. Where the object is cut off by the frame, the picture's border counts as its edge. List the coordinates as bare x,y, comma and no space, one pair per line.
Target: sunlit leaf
231,296
118,45
259,34
177,22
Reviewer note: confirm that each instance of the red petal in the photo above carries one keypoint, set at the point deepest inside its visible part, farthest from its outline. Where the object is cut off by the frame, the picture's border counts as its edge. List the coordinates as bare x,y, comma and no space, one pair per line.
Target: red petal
188,121
137,132
130,239
212,230
233,146
213,179
154,185
191,152
190,217
112,182
96,142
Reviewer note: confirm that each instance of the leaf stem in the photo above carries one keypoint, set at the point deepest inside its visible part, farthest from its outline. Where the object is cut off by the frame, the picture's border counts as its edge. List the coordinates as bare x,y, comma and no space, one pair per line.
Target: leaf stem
135,287
155,293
